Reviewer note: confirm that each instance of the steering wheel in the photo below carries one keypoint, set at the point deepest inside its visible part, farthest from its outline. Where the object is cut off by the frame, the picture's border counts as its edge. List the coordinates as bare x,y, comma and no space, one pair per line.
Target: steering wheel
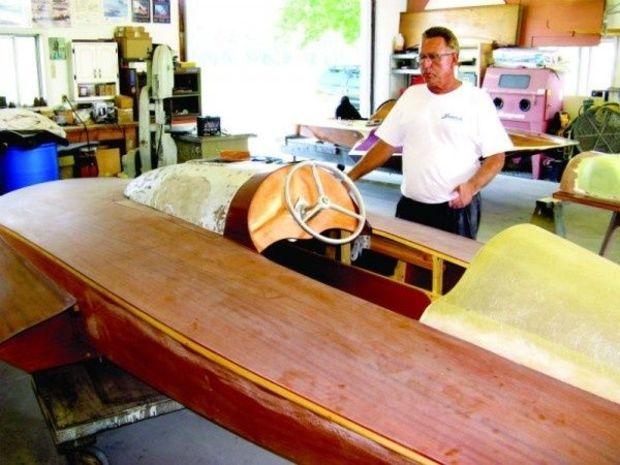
303,213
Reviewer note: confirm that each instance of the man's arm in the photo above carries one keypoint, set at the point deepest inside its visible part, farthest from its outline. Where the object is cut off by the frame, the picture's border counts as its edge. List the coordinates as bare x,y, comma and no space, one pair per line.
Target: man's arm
378,154
488,169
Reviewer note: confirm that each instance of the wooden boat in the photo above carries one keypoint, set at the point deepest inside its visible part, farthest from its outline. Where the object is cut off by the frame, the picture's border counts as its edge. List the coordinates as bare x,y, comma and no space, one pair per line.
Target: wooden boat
305,369
357,136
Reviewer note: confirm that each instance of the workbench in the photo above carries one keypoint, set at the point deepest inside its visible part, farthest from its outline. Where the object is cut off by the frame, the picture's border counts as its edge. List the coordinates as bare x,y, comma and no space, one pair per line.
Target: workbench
191,147
125,133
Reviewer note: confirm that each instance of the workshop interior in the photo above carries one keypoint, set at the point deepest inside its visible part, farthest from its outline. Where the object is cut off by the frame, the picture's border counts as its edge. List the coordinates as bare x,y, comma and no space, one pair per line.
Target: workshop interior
192,271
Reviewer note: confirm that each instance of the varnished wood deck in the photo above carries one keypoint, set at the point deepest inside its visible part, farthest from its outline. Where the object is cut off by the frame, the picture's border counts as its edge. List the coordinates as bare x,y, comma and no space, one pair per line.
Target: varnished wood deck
307,371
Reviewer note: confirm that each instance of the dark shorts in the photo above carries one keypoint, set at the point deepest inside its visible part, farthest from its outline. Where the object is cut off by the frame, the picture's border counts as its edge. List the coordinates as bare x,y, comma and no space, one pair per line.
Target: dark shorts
461,221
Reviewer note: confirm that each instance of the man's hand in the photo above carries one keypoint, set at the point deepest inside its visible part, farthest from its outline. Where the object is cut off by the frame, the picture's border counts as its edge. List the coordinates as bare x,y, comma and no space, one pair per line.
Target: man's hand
462,195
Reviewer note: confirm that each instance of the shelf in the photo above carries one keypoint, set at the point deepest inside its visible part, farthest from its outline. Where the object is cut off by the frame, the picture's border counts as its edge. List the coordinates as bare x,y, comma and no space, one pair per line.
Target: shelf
405,56
414,72
185,101
180,115
186,94
187,71
403,73
94,82
91,98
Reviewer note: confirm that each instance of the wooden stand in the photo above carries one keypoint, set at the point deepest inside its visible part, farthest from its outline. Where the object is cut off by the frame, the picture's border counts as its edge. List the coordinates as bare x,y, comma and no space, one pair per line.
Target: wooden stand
549,214
613,207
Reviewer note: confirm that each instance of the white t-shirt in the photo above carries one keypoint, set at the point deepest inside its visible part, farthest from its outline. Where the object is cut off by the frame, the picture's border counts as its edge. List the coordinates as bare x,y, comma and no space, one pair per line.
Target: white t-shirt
444,136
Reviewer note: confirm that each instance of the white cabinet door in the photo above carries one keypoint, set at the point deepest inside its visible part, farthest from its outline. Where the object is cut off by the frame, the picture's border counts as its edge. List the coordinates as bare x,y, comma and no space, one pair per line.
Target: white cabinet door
95,62
107,62
84,62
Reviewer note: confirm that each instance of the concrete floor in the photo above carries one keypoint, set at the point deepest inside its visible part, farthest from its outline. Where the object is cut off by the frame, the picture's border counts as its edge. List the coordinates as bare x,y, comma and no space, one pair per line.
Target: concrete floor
183,437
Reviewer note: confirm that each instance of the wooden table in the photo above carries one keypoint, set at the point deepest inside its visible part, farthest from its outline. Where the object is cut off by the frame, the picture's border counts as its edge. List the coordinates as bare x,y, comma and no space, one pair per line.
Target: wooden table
613,207
124,132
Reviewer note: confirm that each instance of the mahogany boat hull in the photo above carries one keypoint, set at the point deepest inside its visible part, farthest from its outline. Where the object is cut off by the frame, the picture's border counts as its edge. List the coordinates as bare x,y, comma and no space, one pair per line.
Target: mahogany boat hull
203,381
309,372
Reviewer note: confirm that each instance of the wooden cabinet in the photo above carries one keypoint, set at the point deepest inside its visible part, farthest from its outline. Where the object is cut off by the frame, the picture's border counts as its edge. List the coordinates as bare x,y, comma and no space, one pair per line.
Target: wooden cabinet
499,23
577,23
538,23
94,70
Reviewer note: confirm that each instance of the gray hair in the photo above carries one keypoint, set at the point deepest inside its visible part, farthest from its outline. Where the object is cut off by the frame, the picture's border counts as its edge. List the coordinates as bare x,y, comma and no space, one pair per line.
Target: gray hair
445,33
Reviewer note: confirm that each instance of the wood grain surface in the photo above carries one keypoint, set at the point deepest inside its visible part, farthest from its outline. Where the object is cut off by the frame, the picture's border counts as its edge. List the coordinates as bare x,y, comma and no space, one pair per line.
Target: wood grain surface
268,217
348,133
588,200
524,140
457,249
287,361
27,297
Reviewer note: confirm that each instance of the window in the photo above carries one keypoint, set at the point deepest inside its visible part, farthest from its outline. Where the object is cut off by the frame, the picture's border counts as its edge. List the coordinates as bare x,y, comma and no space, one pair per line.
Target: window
270,65
20,81
598,64
588,68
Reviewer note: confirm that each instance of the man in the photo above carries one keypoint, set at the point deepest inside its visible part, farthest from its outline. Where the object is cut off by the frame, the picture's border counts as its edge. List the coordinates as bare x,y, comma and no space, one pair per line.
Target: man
453,142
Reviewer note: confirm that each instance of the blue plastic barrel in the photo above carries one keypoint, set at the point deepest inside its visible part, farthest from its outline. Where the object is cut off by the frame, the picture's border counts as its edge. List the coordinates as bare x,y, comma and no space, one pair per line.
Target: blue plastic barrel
20,167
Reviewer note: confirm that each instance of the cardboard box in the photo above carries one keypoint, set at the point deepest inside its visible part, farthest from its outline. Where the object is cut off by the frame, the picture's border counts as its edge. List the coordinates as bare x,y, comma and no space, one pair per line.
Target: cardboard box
124,115
108,161
65,163
134,42
106,89
136,48
123,101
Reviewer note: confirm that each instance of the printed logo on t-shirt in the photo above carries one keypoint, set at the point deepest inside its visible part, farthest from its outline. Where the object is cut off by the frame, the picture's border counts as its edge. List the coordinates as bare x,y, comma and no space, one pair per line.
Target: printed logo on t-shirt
454,117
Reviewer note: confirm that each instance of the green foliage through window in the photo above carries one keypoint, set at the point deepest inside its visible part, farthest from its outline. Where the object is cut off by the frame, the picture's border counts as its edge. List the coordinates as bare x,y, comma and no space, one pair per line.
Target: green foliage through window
316,17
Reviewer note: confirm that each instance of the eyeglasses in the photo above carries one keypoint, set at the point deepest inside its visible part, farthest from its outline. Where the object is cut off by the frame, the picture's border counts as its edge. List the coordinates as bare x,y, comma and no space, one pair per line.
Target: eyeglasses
434,57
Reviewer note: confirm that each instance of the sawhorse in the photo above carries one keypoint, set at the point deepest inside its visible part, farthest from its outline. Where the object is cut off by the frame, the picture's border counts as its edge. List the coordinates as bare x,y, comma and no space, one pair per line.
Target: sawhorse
613,207
549,214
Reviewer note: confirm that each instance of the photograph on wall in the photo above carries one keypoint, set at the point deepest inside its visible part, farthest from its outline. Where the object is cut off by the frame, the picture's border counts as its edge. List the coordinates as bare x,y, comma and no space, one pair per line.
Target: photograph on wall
15,13
141,11
115,10
51,13
87,12
161,11
58,48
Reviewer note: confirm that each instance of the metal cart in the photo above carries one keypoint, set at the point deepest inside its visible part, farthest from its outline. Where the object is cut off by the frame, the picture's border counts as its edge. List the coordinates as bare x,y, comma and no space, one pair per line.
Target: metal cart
81,400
